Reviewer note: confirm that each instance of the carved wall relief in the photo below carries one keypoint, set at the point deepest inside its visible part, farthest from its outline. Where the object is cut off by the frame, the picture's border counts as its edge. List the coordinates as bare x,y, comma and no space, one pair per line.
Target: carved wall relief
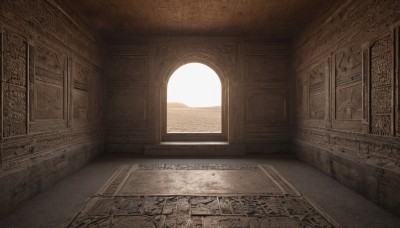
37,40
317,77
363,96
49,103
14,84
381,90
347,96
14,110
48,85
48,93
80,97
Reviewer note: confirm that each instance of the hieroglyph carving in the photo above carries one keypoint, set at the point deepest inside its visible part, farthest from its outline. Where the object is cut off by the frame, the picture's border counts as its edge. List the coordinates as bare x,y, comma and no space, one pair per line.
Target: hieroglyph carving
14,81
348,103
317,100
44,16
381,86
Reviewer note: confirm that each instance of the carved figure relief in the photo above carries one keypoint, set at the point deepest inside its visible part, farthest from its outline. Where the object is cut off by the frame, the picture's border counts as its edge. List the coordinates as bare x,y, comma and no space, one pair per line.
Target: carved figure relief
348,65
348,97
349,103
381,86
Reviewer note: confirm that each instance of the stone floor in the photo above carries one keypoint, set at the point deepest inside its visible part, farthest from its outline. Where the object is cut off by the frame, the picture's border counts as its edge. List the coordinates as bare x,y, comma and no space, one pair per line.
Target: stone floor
62,201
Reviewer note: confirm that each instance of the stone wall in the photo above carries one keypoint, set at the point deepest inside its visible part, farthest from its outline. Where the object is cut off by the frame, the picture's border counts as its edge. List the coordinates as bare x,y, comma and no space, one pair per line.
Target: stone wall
52,97
255,81
346,100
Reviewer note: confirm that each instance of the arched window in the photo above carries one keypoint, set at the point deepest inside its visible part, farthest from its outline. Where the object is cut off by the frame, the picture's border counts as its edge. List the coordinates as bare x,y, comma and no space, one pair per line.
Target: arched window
194,99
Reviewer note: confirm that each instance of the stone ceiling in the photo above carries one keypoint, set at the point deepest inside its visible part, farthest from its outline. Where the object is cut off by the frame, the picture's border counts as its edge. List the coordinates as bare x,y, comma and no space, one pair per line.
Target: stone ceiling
273,19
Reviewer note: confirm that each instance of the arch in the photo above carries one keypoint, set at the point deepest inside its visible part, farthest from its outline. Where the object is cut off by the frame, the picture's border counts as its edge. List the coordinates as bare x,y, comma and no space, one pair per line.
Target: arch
194,100
169,71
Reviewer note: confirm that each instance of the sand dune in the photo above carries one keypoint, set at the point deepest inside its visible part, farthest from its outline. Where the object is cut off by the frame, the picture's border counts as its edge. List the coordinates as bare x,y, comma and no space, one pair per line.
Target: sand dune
181,118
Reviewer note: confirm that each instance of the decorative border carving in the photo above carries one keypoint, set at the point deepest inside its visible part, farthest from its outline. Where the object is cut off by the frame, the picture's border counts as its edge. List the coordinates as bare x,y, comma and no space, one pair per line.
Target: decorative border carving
14,81
382,86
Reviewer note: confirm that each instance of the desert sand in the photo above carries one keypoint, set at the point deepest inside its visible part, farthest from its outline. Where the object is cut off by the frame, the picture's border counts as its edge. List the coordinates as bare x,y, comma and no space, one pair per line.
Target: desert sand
181,118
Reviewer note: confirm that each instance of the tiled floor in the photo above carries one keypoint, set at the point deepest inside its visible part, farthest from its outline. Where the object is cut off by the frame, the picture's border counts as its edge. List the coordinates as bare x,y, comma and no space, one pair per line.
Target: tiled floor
53,207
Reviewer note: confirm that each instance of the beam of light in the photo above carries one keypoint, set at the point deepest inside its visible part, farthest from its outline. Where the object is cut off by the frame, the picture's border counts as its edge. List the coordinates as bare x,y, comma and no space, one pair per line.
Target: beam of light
195,85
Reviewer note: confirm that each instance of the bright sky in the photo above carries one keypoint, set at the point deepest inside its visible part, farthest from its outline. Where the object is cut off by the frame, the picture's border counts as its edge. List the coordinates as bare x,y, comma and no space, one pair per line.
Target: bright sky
195,85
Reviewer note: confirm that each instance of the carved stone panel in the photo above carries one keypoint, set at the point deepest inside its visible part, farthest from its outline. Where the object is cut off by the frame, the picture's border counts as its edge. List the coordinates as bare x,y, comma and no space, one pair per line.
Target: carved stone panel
14,110
14,81
348,65
317,106
264,69
80,97
49,101
349,102
347,96
129,69
317,77
266,108
14,59
381,105
48,85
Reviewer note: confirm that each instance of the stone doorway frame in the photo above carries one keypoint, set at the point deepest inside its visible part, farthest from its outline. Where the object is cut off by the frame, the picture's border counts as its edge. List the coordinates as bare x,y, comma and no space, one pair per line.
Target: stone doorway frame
194,137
